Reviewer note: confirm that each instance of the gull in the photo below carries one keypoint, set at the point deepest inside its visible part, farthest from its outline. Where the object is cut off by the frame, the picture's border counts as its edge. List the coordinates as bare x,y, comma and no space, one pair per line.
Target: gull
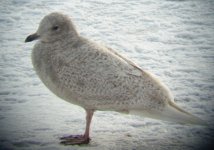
98,78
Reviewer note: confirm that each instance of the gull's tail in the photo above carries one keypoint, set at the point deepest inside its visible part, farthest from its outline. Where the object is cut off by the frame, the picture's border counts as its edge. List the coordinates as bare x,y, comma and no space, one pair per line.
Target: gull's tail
172,113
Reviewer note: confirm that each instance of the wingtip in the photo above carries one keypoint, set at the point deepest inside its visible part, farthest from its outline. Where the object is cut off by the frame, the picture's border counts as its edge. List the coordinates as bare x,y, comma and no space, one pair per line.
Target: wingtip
197,121
190,119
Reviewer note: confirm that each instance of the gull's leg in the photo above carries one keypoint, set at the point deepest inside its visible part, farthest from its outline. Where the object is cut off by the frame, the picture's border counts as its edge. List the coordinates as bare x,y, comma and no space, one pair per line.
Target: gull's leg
80,139
89,115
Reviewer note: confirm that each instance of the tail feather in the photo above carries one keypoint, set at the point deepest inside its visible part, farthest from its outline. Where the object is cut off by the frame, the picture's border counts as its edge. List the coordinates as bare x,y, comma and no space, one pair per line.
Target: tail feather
172,113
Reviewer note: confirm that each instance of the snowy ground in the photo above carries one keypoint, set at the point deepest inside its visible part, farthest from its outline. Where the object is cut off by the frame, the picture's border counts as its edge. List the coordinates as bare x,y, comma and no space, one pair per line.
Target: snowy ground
172,38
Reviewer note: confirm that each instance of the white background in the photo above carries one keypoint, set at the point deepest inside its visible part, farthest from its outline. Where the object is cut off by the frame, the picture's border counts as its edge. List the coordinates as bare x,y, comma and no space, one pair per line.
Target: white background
171,38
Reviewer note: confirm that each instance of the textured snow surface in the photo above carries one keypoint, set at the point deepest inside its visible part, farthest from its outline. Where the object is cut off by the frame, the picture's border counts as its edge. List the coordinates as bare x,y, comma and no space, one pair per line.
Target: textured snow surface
172,38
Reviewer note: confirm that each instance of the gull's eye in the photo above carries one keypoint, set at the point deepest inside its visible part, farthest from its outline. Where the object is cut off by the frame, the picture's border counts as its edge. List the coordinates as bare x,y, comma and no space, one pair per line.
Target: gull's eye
54,28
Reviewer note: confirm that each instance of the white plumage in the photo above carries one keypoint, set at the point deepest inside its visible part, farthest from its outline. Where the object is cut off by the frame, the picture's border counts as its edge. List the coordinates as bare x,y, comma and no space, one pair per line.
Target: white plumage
96,77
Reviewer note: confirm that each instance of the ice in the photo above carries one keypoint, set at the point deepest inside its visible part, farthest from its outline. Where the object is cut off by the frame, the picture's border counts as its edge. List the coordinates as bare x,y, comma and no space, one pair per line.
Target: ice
171,38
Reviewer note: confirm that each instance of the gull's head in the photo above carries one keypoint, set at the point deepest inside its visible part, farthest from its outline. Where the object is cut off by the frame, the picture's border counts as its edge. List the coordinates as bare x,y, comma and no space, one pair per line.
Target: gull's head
53,27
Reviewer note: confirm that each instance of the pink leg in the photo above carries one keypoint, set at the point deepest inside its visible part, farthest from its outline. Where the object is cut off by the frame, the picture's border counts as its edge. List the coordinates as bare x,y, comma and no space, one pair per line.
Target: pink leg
80,139
89,115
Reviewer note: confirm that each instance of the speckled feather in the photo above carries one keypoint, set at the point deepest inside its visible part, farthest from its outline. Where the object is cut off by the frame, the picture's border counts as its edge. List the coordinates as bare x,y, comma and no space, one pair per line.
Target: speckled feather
93,76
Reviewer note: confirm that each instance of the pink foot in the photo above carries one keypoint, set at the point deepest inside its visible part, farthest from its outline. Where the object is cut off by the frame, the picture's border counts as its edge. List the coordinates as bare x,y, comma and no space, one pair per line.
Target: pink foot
74,140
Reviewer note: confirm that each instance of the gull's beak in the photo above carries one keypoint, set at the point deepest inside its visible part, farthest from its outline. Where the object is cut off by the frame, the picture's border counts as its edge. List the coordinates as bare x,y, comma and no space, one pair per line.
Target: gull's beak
32,37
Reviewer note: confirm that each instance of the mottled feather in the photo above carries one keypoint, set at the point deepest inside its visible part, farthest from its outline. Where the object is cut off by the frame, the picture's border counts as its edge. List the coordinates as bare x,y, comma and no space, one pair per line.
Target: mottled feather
93,76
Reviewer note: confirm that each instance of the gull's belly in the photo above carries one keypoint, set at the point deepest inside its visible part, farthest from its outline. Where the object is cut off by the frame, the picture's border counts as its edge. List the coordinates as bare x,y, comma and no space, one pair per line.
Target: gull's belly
46,72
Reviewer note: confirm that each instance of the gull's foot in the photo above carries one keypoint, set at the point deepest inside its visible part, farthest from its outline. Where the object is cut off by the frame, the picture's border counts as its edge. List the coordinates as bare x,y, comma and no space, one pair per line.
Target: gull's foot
74,140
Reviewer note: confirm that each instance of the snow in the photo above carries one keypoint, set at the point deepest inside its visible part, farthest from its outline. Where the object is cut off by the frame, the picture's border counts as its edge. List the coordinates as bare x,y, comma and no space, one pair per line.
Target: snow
171,38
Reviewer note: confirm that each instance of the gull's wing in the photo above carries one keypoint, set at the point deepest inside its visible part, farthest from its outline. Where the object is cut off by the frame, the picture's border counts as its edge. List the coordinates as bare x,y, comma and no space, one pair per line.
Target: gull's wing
100,75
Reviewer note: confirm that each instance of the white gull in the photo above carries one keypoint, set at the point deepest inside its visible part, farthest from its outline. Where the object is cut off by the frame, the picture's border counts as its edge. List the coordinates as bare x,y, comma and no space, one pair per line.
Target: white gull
96,77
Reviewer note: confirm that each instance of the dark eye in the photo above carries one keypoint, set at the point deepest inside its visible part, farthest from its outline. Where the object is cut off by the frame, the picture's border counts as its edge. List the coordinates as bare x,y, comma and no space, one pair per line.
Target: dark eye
55,28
